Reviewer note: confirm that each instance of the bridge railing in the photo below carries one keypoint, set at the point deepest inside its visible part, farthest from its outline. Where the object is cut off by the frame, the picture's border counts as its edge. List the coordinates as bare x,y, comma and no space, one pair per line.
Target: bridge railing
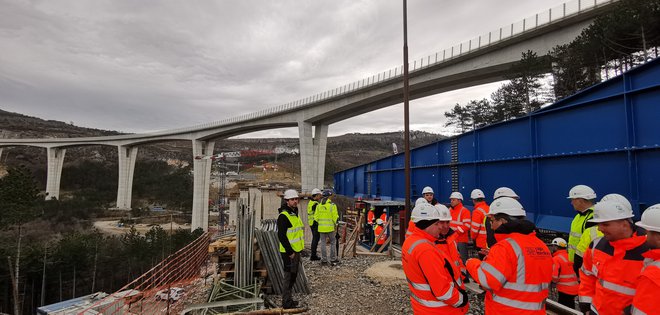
504,33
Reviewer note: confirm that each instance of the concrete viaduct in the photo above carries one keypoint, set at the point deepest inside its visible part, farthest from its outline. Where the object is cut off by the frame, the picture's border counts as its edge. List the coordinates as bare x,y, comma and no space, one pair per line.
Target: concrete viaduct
481,60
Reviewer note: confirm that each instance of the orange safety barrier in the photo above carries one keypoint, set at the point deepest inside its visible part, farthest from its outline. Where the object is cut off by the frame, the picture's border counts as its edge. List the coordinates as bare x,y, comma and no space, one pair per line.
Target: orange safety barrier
177,270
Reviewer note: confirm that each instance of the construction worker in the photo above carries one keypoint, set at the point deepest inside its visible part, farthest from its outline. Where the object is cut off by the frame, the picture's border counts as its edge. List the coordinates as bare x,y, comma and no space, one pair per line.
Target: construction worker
460,223
447,244
563,276
517,271
591,233
478,230
326,215
646,295
379,229
582,198
490,236
428,270
371,220
419,201
428,195
292,241
612,263
313,224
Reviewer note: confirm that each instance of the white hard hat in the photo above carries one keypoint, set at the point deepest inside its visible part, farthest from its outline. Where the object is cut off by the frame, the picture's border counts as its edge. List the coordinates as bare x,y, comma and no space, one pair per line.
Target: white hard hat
290,193
420,201
316,191
618,198
559,242
426,211
605,211
456,195
507,205
379,221
427,190
445,215
651,219
477,194
505,192
581,191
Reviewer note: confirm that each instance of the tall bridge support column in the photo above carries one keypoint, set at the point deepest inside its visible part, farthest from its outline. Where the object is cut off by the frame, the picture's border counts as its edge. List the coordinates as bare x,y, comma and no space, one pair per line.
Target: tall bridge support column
127,156
54,173
202,180
312,155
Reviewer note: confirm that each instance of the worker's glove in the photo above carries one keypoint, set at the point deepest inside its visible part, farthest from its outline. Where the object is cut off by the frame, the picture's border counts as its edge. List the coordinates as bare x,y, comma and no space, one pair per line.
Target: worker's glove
585,307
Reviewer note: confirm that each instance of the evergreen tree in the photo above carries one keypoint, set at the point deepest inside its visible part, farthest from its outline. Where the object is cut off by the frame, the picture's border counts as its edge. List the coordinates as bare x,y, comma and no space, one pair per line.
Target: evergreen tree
460,118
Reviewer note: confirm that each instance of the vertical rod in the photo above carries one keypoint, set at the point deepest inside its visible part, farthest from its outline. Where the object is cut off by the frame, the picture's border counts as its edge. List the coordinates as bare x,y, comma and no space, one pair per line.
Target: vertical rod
406,110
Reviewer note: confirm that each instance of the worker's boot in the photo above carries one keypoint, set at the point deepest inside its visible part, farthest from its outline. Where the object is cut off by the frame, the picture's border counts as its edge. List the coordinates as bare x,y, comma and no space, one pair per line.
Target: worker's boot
314,258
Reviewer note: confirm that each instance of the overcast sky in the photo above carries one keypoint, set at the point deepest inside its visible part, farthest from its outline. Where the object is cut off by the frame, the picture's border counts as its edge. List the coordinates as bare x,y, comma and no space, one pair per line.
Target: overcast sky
139,66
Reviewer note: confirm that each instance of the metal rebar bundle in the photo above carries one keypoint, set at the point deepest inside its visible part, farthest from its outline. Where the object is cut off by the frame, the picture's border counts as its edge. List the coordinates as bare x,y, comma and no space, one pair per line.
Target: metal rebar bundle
244,264
270,251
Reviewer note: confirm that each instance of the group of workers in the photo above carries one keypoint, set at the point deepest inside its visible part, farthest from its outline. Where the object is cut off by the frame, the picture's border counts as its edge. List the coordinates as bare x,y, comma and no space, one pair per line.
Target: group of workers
610,264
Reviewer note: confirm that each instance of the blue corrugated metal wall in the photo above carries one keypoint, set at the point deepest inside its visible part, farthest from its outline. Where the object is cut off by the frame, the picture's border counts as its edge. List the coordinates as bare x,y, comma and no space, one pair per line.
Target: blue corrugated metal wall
607,137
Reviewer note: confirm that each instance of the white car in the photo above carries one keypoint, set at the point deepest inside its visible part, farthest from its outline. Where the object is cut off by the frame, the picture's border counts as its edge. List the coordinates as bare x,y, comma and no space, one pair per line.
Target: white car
175,294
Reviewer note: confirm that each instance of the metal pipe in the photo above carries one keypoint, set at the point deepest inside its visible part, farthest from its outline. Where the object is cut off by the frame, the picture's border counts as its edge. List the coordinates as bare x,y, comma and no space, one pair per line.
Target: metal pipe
406,111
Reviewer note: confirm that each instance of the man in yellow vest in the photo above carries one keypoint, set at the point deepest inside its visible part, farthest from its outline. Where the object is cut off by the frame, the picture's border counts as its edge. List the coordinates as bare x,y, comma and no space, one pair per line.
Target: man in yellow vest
313,225
582,198
327,215
291,236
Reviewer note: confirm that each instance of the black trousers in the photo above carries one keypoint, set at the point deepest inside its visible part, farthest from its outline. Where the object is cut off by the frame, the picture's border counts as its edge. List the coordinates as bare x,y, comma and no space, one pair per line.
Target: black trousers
290,275
566,300
315,238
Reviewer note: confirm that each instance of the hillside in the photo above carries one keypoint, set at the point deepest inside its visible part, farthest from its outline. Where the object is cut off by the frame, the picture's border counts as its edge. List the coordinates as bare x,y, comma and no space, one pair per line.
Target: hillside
343,151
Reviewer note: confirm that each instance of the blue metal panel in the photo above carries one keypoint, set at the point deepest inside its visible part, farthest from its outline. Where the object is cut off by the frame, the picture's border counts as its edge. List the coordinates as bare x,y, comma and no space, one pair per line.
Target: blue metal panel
444,151
467,175
426,155
360,181
648,162
582,129
647,117
605,137
398,160
423,177
466,147
501,141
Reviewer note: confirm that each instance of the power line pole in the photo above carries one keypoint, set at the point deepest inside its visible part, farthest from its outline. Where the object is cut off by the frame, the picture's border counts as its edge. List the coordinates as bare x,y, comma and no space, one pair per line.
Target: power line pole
406,112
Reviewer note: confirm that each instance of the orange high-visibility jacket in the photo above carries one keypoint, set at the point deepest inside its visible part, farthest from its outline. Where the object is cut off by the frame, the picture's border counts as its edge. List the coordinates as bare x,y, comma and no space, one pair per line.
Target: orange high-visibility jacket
478,230
646,296
383,238
516,274
383,216
563,274
460,222
411,225
432,289
609,273
371,217
449,247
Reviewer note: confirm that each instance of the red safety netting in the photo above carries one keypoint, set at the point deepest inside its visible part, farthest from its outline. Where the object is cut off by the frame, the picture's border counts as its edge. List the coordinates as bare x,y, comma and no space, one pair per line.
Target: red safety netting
148,294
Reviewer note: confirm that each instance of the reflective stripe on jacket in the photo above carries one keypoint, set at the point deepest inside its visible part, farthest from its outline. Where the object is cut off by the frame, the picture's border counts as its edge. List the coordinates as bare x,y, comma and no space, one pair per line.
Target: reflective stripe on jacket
295,233
646,297
577,228
310,211
610,273
563,274
516,274
478,230
432,290
460,220
326,215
